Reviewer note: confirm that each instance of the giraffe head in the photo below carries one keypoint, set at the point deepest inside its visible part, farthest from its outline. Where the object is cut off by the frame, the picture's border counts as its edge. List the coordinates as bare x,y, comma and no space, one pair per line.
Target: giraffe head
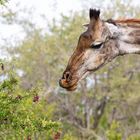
95,48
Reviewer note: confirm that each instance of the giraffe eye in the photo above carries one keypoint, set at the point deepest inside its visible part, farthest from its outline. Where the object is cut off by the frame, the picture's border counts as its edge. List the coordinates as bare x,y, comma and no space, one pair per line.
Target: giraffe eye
96,45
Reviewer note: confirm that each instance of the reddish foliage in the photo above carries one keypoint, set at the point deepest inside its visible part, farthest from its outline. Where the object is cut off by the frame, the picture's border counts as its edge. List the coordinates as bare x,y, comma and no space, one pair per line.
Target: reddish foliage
36,98
57,136
28,138
18,97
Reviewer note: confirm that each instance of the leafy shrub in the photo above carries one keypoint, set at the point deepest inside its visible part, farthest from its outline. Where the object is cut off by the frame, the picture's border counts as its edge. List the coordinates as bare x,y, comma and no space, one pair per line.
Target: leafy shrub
23,114
134,137
113,133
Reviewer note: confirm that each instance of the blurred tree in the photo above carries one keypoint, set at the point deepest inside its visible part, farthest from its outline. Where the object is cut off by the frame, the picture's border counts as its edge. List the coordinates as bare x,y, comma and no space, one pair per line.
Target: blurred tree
2,2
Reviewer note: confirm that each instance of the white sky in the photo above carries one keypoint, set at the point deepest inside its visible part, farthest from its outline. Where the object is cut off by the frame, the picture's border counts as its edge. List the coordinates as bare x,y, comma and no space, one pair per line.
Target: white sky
50,8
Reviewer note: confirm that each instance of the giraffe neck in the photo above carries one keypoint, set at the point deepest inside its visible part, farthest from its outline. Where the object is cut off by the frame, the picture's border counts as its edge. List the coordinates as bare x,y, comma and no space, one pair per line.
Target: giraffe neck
128,38
128,48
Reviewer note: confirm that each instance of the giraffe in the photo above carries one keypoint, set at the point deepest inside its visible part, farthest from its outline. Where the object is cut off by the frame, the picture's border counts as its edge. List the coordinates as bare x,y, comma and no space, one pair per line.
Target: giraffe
103,41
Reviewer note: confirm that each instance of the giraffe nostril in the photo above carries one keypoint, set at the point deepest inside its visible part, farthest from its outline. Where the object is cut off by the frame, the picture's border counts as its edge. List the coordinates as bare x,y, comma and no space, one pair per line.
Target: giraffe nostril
67,76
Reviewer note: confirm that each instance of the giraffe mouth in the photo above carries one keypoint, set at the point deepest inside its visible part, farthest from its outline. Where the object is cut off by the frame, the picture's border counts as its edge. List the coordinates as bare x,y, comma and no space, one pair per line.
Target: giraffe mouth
74,86
69,86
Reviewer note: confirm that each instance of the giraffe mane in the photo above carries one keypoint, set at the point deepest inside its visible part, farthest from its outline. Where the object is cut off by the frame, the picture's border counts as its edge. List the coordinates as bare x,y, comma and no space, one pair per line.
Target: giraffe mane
134,23
127,21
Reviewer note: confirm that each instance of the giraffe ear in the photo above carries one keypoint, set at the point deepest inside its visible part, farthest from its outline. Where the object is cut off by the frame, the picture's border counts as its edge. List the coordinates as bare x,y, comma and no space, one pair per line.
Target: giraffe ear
86,25
94,14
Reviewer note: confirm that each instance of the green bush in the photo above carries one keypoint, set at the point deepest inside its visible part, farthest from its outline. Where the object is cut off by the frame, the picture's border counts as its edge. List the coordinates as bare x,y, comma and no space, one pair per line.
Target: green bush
23,113
134,137
113,133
